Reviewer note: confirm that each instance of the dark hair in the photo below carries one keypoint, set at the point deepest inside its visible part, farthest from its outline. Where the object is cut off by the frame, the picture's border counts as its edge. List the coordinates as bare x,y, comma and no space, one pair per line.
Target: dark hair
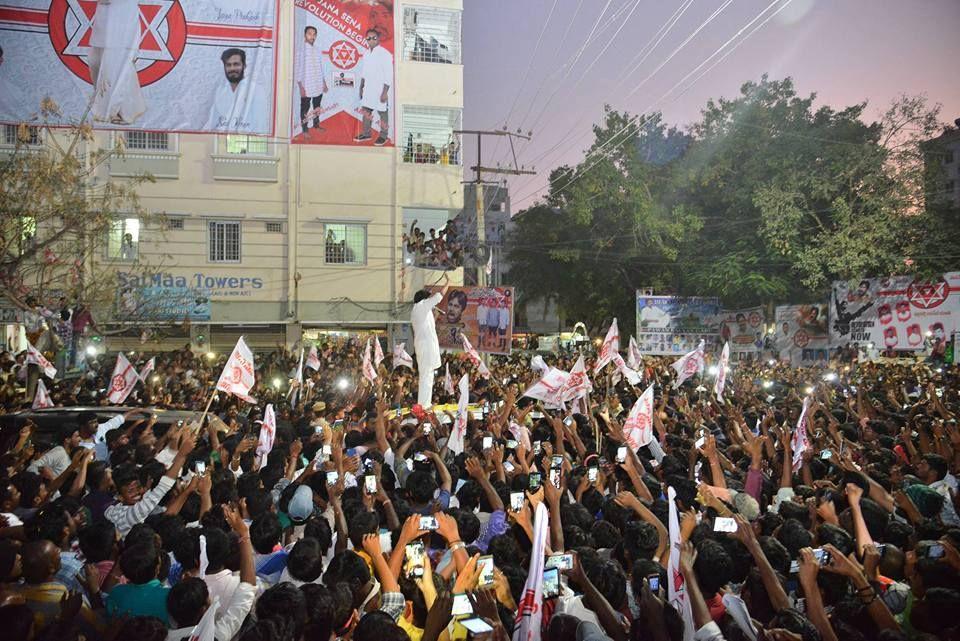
139,563
218,548
187,601
937,463
309,29
233,51
713,567
97,541
794,537
143,629
265,533
378,626
422,294
286,603
347,567
321,606
16,620
305,562
318,528
420,486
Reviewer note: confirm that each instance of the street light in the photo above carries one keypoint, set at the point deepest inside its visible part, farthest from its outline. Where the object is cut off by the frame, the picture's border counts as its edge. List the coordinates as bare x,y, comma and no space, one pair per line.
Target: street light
211,355
830,377
343,384
808,390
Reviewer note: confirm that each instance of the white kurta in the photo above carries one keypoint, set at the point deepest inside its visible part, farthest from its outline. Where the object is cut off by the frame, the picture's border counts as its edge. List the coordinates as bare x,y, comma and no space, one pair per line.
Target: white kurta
377,72
237,110
309,69
114,42
425,339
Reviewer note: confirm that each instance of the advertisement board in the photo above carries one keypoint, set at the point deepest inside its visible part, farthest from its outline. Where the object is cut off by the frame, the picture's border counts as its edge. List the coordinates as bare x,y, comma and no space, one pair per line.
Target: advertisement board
743,329
896,313
800,335
157,65
675,325
159,303
484,314
344,88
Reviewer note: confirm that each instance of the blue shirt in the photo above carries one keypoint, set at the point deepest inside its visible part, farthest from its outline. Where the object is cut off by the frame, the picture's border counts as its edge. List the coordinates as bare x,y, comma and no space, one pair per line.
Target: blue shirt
146,599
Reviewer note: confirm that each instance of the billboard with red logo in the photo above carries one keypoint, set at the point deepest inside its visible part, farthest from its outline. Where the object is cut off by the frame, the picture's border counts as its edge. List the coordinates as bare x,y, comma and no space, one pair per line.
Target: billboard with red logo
800,334
743,329
897,313
343,68
483,314
158,65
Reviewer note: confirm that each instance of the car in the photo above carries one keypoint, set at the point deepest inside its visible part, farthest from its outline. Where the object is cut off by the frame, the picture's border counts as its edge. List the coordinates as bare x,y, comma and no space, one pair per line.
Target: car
49,421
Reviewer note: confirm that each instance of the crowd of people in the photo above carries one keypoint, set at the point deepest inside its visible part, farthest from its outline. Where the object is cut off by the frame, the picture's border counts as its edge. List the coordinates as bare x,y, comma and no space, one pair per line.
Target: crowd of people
361,523
435,249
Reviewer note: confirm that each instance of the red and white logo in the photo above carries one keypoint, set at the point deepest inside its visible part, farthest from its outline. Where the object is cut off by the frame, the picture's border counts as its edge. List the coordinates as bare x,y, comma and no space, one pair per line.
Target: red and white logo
236,375
344,54
163,36
119,383
928,295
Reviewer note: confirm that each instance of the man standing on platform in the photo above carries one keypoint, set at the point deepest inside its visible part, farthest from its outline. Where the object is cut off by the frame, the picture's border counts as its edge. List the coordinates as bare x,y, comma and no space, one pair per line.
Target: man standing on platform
425,340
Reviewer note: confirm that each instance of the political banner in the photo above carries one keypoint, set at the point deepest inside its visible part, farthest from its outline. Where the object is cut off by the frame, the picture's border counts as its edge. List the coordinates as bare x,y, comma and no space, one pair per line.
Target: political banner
672,325
800,335
157,302
743,329
896,313
156,65
344,87
483,314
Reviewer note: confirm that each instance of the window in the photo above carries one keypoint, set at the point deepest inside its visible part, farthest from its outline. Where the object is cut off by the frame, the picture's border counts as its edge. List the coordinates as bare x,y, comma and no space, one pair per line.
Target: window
224,241
948,157
243,144
950,187
428,135
147,140
174,224
21,134
346,244
275,228
123,239
431,35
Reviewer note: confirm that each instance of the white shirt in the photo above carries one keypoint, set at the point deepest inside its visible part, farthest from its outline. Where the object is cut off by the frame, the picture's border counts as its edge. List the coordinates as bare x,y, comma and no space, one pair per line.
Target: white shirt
237,110
425,339
56,460
377,72
230,617
222,585
654,317
309,70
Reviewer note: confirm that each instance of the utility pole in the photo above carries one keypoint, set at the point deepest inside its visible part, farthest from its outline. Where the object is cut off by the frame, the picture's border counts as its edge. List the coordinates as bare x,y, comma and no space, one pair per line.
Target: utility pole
479,182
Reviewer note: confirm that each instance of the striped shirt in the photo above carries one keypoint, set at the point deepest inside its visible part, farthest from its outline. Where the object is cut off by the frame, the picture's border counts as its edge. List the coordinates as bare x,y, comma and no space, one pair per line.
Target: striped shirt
308,69
124,517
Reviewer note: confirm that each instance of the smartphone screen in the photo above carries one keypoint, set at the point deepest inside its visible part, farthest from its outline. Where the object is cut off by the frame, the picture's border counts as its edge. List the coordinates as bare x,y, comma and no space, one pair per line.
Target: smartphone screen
537,447
700,442
559,561
534,480
318,429
555,477
200,467
327,451
332,478
516,501
592,474
461,605
556,461
428,523
935,550
487,442
414,564
825,455
370,484
476,626
724,524
511,444
622,454
551,583
653,581
568,421
485,565
508,467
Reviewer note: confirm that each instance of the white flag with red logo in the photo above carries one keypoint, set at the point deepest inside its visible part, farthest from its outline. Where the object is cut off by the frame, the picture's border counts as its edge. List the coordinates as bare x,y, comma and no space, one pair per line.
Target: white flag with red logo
638,428
611,345
268,431
238,376
297,383
548,388
577,384
537,364
313,359
206,629
459,431
448,382
369,371
676,584
148,369
634,356
799,442
688,365
633,377
122,381
400,356
377,352
722,372
530,610
42,398
474,356
34,357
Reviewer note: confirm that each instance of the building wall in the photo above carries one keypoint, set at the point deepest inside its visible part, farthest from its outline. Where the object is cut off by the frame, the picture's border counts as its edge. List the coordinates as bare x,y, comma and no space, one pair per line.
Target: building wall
282,277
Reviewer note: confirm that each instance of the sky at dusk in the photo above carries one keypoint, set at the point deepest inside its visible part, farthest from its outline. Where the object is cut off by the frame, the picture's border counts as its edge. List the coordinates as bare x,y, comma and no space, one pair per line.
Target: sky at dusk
846,51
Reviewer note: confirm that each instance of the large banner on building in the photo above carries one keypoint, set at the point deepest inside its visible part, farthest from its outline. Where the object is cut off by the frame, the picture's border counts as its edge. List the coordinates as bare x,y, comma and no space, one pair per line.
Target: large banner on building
159,65
894,313
801,336
344,88
743,329
675,325
484,314
159,303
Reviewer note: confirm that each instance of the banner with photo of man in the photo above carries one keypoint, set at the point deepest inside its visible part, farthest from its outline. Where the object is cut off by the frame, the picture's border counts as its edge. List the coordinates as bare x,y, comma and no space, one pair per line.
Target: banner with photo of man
344,83
675,325
156,65
743,329
800,336
483,314
897,313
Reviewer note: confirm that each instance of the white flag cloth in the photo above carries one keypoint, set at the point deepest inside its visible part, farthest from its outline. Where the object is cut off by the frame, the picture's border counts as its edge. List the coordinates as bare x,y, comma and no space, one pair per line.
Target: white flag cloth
400,356
313,359
42,398
459,431
148,369
238,376
548,388
206,629
34,357
722,372
638,428
689,364
448,382
676,584
611,345
369,371
577,383
537,364
474,356
633,377
489,267
530,610
298,379
634,355
377,352
799,442
268,431
520,434
122,381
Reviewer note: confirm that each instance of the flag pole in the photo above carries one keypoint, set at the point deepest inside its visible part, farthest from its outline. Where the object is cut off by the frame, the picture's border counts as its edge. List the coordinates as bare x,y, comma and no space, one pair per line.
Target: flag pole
206,409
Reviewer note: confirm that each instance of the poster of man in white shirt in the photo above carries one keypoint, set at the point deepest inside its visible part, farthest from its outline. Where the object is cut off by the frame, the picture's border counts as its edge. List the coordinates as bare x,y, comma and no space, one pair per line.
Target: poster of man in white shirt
311,76
375,85
114,42
236,103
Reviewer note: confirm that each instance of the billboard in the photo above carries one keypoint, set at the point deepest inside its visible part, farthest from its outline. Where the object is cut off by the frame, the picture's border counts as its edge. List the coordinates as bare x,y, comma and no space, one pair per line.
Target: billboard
896,313
160,303
484,314
158,65
344,88
800,335
743,328
675,325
